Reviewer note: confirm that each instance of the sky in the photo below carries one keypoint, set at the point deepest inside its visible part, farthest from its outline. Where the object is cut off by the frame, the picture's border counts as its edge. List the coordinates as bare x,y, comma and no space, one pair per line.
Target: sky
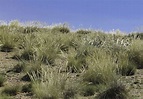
106,15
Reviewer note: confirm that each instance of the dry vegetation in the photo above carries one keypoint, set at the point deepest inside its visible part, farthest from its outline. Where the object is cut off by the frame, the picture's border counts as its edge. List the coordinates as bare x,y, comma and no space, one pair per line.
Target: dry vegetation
55,63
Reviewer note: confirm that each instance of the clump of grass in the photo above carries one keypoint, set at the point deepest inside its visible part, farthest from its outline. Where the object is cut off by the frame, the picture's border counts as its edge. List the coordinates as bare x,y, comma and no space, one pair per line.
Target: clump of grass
88,90
136,53
11,90
47,54
19,67
101,68
8,42
30,67
2,80
52,85
61,28
116,91
76,64
81,31
28,54
125,66
30,29
27,88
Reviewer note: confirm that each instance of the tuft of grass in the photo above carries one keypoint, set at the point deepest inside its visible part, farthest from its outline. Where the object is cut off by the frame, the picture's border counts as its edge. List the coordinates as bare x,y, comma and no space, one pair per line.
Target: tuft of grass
2,80
88,90
81,31
125,66
61,28
28,54
53,85
27,88
8,41
11,90
116,91
101,68
136,53
19,67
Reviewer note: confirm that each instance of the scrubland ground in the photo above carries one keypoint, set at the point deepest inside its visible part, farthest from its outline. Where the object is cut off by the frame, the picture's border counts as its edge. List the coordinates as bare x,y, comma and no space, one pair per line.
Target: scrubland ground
55,63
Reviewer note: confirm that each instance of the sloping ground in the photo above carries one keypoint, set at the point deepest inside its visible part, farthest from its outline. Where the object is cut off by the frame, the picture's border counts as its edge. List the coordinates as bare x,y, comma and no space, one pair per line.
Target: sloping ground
134,83
6,64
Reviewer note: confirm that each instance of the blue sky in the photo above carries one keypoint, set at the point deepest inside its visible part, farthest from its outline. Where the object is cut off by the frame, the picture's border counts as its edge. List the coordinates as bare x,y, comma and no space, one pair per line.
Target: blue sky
126,15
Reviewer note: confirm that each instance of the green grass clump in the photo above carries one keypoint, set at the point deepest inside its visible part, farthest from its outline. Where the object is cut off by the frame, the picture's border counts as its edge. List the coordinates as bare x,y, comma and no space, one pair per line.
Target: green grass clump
116,91
62,29
2,80
27,88
101,68
19,67
52,85
83,31
76,64
88,90
11,90
8,42
125,66
136,53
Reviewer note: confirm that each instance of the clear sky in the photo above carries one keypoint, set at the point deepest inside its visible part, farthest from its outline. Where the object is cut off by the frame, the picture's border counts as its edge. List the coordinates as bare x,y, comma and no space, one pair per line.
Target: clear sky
126,15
